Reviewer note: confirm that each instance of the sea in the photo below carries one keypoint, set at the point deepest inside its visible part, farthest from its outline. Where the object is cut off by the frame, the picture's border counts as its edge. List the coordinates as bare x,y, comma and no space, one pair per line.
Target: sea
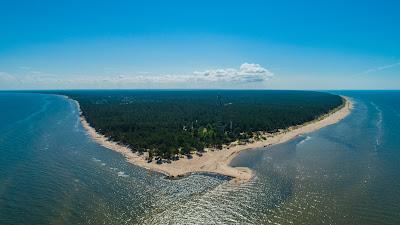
51,172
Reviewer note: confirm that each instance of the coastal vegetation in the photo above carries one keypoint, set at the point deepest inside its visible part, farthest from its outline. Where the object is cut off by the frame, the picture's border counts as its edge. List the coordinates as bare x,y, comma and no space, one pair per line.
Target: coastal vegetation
167,123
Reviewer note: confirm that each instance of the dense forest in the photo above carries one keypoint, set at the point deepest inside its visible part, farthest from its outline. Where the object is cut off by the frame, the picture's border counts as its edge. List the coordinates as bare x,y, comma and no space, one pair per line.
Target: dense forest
166,123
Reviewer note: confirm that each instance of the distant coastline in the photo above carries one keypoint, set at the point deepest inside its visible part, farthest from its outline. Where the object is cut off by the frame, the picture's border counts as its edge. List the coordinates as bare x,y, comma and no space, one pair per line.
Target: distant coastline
218,161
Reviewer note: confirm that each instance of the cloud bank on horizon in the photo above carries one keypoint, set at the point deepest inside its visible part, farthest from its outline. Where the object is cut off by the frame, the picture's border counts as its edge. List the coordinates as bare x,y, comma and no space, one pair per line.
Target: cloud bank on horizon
247,73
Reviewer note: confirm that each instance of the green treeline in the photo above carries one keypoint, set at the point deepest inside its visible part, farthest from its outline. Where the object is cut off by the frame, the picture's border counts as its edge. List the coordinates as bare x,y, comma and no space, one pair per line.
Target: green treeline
166,123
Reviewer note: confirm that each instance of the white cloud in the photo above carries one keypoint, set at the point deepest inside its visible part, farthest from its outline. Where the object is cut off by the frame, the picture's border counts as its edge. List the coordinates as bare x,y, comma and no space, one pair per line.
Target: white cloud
248,72
8,81
380,68
7,78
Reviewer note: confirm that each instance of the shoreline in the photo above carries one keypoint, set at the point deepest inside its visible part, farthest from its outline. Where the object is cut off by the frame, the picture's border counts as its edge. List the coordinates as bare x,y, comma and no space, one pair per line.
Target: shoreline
218,161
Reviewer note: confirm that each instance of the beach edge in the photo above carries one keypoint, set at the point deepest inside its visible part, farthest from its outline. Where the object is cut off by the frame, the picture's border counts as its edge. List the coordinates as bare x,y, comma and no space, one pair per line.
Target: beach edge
217,161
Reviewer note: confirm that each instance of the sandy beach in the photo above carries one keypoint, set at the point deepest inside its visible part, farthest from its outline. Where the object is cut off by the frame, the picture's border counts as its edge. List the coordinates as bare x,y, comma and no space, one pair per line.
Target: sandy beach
217,161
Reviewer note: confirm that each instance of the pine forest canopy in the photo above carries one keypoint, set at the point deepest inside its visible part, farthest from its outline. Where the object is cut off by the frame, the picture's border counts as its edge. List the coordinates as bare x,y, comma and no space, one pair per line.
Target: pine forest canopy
168,122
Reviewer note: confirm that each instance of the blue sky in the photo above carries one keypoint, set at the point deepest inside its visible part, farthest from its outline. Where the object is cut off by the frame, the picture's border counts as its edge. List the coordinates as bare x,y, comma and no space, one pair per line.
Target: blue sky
200,44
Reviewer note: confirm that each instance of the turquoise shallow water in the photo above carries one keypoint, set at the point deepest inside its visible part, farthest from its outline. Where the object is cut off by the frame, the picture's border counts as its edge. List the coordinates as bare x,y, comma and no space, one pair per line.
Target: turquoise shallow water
52,173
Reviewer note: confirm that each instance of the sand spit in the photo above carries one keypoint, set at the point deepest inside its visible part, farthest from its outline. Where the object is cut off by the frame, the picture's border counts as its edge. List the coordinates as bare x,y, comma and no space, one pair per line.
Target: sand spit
217,161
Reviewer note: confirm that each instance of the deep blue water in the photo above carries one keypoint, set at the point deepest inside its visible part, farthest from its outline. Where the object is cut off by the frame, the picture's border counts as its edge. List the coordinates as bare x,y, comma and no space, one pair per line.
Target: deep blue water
52,173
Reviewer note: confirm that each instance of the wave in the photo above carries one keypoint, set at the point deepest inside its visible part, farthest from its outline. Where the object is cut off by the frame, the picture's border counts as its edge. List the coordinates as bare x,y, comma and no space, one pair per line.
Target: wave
122,174
378,124
96,160
304,140
74,112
